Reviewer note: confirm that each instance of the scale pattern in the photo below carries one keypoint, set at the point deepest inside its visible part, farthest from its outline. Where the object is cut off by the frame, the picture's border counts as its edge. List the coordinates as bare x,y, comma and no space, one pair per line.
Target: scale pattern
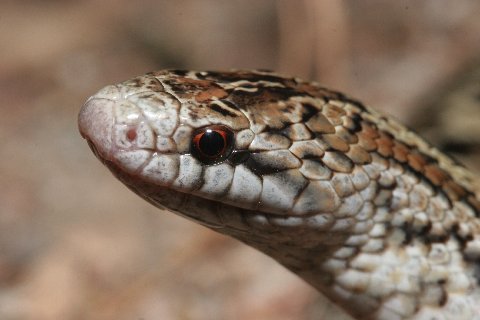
353,202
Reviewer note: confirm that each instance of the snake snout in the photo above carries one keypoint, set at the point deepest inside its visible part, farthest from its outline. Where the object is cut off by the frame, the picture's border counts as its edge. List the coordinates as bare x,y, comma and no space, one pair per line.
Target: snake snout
95,123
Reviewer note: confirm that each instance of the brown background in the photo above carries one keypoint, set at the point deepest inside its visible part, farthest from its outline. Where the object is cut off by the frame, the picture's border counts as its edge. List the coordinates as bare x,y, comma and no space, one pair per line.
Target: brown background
76,244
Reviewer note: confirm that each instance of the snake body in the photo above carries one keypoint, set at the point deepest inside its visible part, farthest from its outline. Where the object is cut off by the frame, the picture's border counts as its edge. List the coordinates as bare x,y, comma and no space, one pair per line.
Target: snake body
360,207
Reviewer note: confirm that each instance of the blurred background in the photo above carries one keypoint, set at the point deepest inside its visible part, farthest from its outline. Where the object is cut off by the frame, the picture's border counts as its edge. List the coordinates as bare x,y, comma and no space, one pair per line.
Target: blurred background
76,244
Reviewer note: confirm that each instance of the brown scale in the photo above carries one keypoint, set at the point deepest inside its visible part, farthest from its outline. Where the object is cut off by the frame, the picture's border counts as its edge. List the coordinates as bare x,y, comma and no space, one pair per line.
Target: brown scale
202,90
333,142
319,124
367,137
149,83
345,135
385,145
436,175
400,152
334,114
358,155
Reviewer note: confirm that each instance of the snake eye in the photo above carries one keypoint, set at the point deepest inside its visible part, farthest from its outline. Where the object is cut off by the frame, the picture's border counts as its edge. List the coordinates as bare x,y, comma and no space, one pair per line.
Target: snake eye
212,144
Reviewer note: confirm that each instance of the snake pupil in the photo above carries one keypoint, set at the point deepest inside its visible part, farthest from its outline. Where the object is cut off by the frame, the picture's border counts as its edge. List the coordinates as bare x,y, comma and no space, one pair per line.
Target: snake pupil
211,143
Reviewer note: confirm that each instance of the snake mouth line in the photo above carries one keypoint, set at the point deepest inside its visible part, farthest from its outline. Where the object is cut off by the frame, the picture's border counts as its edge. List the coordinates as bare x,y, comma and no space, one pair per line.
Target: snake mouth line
247,216
93,148
95,151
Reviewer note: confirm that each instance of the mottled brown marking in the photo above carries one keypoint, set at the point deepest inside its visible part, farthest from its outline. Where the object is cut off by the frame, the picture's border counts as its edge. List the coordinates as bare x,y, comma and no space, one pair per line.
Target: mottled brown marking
337,161
369,131
333,142
385,145
319,124
210,94
268,162
297,132
274,117
346,136
400,152
366,143
202,90
454,191
307,150
205,84
416,161
358,155
155,85
308,110
353,122
269,141
436,175
334,114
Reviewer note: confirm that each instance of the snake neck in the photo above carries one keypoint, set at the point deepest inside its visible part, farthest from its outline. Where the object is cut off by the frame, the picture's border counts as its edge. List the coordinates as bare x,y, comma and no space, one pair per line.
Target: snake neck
401,246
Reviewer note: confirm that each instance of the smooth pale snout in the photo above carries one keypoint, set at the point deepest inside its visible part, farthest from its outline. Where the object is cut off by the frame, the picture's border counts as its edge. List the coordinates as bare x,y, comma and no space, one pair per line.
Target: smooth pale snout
116,131
95,122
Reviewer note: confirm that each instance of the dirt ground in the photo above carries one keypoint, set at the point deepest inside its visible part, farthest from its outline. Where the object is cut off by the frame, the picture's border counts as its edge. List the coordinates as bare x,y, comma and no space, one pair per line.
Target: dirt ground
76,244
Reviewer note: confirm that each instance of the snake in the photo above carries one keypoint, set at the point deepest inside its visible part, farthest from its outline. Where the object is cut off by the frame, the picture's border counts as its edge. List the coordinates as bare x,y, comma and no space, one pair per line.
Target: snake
376,219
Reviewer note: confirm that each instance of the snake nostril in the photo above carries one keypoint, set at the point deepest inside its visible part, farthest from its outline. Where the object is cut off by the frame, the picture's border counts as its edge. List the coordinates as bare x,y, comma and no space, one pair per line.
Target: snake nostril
132,134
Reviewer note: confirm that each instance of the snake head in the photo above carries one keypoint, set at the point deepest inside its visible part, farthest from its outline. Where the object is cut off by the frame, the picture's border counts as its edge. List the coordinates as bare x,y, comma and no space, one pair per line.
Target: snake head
229,149
249,154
